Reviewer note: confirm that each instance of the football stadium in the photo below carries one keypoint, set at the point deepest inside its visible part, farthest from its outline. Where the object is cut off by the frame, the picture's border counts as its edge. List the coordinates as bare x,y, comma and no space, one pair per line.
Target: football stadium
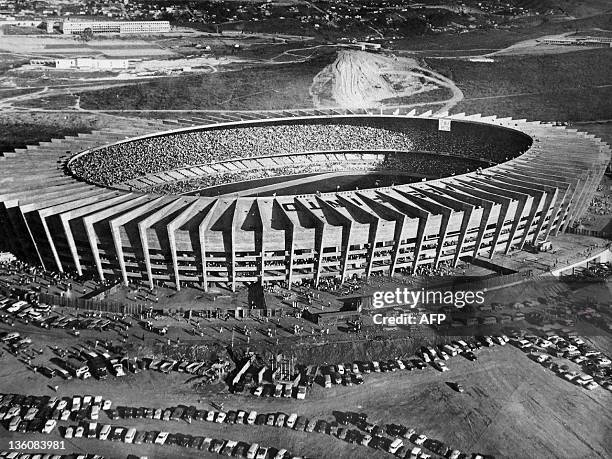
293,197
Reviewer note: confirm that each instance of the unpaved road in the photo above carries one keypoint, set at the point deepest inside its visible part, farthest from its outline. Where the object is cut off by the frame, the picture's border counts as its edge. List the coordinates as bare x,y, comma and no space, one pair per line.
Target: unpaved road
358,79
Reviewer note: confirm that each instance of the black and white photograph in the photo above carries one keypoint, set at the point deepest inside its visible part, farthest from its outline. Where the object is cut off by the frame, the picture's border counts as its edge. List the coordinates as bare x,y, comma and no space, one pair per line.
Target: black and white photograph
306,229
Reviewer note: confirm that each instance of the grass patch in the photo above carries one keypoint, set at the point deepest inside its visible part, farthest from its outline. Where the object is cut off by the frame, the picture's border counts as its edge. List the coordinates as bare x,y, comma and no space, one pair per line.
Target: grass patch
266,87
434,95
501,38
570,86
59,102
567,105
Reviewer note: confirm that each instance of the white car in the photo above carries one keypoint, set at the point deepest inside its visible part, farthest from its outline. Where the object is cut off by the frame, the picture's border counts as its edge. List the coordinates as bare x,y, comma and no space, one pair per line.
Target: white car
571,375
340,368
210,416
30,414
69,432
420,440
65,415
104,432
365,441
14,424
258,391
161,438
107,405
78,433
49,426
251,419
291,420
221,417
591,385
281,454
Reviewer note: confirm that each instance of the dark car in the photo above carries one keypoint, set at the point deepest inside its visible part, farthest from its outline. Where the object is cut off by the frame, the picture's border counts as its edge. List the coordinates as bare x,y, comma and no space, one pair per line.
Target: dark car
150,437
240,450
354,436
470,356
300,424
36,425
196,442
343,418
321,427
238,388
231,417
396,430
184,442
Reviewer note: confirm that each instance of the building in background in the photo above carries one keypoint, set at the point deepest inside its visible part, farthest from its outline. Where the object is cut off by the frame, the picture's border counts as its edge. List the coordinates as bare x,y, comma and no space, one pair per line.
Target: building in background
89,63
71,27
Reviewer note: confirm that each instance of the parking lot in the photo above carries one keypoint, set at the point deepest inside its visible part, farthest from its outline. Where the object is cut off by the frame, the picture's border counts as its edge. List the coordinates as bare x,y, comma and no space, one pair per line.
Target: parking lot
501,381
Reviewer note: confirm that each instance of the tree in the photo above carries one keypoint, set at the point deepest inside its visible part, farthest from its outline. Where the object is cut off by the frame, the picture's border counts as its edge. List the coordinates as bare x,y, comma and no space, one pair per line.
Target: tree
87,34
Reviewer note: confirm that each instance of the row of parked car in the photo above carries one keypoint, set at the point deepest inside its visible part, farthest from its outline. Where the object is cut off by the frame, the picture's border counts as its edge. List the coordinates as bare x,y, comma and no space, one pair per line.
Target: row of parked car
107,432
421,442
41,413
399,440
42,316
597,367
18,455
352,373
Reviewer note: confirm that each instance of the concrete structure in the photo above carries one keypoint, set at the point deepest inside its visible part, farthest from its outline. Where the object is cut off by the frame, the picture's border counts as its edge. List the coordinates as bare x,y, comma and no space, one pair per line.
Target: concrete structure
51,218
579,41
88,63
76,27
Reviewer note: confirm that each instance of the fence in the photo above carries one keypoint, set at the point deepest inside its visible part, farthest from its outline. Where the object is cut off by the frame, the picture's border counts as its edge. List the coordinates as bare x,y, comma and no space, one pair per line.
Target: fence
589,232
92,305
122,308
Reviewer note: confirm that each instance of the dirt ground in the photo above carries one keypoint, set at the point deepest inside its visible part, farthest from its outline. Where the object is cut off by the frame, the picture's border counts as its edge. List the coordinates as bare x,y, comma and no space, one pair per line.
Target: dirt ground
358,79
512,407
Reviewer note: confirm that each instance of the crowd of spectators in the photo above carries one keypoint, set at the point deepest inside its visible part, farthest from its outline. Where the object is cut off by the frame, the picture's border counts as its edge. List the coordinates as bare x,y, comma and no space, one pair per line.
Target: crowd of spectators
427,165
121,162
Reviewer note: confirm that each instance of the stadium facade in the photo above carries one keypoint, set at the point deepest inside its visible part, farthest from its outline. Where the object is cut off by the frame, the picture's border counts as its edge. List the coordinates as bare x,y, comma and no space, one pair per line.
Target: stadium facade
122,231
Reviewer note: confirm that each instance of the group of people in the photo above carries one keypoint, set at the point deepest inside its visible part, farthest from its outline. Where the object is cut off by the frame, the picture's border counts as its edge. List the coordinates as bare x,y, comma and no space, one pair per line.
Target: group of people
122,162
419,164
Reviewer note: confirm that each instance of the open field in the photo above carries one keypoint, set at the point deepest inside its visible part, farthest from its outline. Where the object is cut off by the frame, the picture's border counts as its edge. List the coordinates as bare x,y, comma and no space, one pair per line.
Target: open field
259,87
71,46
573,86
495,39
